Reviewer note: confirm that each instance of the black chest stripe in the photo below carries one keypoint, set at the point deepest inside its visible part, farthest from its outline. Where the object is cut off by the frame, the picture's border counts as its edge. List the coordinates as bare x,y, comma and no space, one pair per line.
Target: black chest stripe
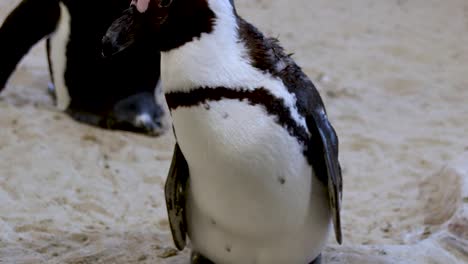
260,96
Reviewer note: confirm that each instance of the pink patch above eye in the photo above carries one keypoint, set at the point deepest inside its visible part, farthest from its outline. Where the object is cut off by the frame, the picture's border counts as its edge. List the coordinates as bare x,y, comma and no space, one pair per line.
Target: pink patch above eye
141,5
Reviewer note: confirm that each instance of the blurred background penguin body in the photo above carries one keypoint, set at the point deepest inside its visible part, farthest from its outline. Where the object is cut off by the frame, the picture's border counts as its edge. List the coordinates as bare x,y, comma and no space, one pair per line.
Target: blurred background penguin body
113,93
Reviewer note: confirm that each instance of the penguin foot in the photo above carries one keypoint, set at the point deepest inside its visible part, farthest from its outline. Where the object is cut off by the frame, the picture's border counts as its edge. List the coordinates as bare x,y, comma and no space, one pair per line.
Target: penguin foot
51,90
140,113
109,121
197,258
317,260
85,117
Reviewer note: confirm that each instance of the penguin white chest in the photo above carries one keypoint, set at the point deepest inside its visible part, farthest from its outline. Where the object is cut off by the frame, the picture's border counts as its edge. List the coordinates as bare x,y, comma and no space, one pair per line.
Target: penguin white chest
58,57
253,197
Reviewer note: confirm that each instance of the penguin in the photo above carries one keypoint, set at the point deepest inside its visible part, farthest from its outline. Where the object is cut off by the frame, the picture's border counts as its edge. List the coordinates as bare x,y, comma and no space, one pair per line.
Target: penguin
255,175
114,93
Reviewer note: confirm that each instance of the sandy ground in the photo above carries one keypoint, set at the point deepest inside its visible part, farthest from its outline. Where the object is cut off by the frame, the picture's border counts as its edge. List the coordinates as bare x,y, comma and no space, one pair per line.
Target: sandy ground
394,76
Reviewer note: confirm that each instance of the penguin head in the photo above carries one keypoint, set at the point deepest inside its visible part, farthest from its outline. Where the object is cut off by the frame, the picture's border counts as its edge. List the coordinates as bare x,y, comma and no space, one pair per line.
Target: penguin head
139,113
123,32
141,18
170,23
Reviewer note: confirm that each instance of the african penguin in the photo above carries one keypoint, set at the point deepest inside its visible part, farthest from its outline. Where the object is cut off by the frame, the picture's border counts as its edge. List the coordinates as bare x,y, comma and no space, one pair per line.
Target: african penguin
255,176
115,93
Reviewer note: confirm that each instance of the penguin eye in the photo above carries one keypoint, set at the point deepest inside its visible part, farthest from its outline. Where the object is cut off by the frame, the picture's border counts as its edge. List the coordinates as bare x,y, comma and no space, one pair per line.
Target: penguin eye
165,3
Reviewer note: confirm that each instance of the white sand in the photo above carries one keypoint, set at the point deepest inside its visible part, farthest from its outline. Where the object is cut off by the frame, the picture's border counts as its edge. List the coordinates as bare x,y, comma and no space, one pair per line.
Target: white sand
394,76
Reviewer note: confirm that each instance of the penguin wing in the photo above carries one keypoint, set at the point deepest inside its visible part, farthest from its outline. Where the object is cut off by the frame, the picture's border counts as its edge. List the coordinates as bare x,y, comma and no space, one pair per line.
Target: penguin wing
325,162
175,191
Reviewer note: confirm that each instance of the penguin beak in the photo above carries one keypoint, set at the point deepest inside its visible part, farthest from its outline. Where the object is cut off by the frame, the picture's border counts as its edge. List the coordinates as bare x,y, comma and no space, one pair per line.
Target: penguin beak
123,32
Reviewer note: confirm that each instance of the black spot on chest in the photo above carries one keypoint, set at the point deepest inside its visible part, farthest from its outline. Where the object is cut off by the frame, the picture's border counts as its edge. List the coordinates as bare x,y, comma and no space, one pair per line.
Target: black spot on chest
228,249
282,180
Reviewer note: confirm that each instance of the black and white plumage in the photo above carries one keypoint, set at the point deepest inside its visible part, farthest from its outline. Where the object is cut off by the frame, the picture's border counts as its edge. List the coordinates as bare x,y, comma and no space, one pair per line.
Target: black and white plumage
255,176
114,93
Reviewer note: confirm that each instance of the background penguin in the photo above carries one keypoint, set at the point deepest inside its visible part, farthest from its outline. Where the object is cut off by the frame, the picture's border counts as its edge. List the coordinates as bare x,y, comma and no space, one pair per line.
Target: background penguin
255,176
114,93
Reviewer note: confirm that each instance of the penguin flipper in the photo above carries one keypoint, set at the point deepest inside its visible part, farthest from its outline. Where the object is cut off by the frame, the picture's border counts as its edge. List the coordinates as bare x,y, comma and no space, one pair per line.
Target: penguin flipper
175,192
325,162
28,23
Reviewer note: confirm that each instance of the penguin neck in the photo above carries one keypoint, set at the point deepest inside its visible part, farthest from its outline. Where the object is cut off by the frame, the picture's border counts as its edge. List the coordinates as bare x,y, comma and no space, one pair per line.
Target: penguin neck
216,59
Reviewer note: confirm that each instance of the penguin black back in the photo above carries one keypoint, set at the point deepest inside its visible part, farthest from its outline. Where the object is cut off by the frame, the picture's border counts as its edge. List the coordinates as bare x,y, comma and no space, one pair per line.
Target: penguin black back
268,56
